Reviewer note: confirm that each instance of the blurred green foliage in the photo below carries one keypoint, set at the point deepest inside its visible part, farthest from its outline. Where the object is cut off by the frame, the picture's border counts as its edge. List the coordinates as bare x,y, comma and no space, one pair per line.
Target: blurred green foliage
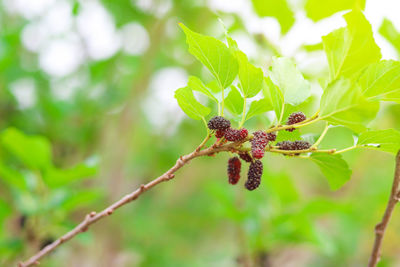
48,151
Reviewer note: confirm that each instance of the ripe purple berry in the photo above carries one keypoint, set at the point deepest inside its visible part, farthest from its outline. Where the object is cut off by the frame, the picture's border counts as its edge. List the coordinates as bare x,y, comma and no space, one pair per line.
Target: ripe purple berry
245,156
301,145
219,133
234,135
295,118
218,123
296,145
271,136
243,133
285,145
234,166
258,144
254,175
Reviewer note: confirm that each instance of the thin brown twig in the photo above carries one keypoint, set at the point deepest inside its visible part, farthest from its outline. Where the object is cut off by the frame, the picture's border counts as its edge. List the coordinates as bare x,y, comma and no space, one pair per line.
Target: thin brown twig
93,217
380,228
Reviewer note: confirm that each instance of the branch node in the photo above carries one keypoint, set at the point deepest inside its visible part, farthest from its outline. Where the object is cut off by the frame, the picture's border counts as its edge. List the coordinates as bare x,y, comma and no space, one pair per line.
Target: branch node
180,160
84,229
378,229
142,188
110,211
92,214
397,196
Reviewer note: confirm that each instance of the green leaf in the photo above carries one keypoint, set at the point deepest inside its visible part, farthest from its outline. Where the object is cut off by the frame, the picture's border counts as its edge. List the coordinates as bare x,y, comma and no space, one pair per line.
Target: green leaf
250,77
390,33
197,85
275,96
258,107
317,10
214,55
381,81
33,151
279,9
234,101
55,177
288,136
289,79
384,140
350,49
334,168
342,103
313,47
81,198
190,105
12,178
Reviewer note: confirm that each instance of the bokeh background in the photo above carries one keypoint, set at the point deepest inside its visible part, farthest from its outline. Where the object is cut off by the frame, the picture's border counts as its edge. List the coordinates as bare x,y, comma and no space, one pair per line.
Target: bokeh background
87,114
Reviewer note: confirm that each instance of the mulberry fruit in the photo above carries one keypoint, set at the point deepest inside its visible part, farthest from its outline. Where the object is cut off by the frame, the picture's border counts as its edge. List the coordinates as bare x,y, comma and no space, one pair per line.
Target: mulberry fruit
235,135
254,175
234,166
271,137
295,118
220,133
285,145
258,144
301,145
245,156
296,145
218,123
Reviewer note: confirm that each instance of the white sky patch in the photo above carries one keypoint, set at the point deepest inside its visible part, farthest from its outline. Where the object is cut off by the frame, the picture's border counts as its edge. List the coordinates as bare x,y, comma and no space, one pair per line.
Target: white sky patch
135,39
376,11
27,8
61,57
160,106
155,7
98,30
58,19
34,36
55,22
245,44
24,92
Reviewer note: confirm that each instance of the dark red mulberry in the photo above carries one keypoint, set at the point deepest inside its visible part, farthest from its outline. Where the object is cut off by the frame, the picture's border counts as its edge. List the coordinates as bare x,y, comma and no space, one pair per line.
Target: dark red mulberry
285,145
219,133
245,156
258,144
296,145
243,133
234,166
235,135
301,145
218,123
254,175
257,152
295,118
271,136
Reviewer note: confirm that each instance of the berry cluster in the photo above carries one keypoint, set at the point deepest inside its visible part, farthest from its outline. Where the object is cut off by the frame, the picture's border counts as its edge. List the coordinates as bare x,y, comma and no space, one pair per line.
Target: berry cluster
235,135
295,118
234,166
296,145
259,142
254,175
223,129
